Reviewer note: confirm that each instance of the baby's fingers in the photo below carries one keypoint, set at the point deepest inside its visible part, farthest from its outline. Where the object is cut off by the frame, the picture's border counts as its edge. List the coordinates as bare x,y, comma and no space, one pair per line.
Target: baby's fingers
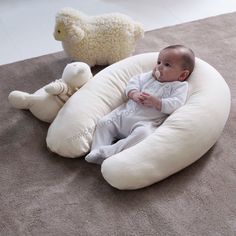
145,94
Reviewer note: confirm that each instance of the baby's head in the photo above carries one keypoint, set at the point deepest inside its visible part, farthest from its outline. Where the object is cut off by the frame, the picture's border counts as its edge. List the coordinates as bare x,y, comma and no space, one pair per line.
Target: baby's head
175,63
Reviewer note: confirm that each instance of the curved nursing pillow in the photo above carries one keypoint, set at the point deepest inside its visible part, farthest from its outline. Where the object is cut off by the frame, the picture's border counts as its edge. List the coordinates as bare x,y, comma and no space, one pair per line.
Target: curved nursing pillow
182,139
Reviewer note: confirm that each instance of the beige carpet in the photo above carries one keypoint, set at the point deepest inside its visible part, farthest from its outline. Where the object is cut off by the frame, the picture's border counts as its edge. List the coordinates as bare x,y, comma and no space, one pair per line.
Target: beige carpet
44,194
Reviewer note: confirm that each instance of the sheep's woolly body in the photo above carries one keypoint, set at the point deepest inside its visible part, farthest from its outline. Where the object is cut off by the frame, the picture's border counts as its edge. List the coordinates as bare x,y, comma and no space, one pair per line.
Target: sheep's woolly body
99,40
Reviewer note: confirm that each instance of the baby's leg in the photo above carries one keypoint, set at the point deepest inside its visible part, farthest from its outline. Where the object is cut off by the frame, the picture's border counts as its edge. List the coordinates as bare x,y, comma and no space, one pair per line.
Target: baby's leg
94,157
137,135
105,133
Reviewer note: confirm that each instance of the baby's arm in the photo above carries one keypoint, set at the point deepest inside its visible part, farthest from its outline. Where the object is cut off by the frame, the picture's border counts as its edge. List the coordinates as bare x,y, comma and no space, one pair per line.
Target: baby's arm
136,96
134,86
170,104
177,99
151,101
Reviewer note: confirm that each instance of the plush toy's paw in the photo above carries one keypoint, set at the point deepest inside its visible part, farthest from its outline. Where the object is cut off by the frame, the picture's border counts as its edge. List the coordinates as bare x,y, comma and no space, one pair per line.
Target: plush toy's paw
56,88
19,99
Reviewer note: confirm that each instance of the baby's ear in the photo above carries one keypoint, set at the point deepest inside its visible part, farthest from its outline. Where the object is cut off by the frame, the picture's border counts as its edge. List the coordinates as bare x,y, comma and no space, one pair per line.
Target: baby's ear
184,75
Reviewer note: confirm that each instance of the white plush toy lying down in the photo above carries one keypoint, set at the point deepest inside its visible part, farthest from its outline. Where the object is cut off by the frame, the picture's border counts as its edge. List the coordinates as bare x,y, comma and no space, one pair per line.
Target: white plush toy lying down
97,40
47,101
182,139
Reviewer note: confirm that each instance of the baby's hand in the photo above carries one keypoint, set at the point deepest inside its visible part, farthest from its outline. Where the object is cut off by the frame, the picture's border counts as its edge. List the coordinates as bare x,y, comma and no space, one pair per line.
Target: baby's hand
150,101
136,96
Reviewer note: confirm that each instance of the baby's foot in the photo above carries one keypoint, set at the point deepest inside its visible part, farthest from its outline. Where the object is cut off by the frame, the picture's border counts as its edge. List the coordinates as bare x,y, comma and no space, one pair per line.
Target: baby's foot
94,157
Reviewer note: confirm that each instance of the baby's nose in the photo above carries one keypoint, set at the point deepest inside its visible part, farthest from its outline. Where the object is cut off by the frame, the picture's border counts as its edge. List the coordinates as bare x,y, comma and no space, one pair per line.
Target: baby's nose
159,67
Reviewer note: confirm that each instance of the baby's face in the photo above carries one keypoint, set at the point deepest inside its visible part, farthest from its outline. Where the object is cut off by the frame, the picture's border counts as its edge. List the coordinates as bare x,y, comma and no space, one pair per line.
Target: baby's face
169,66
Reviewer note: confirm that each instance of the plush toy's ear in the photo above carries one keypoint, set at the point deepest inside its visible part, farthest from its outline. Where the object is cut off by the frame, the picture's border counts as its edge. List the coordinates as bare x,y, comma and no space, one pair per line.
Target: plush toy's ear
75,33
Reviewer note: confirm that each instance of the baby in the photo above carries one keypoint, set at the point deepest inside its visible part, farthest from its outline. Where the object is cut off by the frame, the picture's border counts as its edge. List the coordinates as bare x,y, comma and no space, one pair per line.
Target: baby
152,97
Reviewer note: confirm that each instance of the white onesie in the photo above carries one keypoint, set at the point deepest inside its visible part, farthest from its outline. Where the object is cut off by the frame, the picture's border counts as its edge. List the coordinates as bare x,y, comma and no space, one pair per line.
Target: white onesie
131,122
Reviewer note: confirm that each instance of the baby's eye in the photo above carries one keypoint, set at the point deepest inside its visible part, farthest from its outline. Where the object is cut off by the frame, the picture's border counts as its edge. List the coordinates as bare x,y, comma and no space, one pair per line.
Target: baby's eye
158,62
167,64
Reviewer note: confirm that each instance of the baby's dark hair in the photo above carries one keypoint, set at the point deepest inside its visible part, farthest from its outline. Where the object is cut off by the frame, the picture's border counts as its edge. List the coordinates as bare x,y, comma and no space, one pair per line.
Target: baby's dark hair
188,56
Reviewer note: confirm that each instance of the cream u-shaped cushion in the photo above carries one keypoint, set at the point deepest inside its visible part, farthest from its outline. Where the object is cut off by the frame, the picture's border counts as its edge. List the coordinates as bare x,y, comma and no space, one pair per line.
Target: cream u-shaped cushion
181,140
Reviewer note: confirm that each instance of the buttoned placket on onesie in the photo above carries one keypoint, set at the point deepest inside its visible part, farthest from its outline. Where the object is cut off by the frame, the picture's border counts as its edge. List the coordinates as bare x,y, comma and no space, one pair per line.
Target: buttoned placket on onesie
131,122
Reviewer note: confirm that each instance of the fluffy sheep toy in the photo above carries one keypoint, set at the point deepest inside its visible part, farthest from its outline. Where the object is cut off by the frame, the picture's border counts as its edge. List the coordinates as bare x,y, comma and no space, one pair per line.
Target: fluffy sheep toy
48,100
97,40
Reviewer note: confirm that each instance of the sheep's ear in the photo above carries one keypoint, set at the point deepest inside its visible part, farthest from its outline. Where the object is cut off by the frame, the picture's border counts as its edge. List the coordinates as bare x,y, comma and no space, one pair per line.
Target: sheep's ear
76,34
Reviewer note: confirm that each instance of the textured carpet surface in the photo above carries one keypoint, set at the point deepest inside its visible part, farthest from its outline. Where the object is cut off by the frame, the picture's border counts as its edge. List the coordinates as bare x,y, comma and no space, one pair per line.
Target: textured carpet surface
44,194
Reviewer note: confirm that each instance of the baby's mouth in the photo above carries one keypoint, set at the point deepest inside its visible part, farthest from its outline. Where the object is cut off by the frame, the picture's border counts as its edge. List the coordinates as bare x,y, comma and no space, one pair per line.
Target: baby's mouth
157,74
160,78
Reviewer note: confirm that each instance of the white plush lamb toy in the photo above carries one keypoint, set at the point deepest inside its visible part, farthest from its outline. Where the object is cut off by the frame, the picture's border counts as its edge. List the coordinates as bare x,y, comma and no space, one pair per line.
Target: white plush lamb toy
97,40
48,100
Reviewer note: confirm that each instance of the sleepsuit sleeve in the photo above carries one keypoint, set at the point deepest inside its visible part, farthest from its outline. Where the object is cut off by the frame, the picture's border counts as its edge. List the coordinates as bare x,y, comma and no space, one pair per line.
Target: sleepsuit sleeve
136,82
177,98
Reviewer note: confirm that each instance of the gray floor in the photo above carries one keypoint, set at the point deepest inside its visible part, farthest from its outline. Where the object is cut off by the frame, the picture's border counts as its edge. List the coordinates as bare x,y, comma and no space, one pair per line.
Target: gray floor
27,25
